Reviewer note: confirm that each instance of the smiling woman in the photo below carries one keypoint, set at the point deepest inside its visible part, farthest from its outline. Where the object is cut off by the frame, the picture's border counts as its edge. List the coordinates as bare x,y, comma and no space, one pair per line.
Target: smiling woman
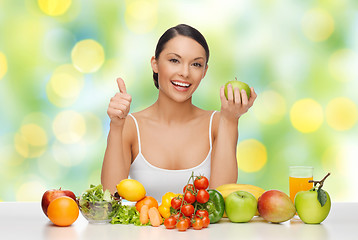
173,138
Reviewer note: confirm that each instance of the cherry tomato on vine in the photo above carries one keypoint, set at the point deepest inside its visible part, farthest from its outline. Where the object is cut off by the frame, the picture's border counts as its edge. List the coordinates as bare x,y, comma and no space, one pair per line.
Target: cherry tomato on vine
187,210
170,222
202,196
182,225
206,221
188,187
177,216
201,182
202,213
185,219
197,223
189,197
176,202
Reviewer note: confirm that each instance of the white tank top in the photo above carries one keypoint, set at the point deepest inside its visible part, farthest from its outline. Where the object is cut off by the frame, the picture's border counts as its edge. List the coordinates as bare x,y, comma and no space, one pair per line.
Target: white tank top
157,181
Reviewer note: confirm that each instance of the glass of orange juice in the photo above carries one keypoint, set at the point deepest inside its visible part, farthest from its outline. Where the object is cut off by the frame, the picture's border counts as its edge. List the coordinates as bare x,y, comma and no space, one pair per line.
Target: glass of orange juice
298,179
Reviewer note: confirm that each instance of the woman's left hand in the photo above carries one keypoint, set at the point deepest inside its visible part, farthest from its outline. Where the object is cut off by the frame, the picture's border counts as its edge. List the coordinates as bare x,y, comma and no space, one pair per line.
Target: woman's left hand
235,106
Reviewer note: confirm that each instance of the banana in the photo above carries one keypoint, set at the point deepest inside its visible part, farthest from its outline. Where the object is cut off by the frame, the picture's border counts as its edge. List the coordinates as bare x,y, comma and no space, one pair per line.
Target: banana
226,189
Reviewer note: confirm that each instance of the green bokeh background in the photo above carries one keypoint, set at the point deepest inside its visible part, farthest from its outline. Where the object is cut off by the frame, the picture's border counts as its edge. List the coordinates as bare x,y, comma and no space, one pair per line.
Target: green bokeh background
287,50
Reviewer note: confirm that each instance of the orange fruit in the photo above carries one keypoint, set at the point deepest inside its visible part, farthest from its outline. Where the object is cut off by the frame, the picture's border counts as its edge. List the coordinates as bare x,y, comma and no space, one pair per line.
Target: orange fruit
63,211
149,201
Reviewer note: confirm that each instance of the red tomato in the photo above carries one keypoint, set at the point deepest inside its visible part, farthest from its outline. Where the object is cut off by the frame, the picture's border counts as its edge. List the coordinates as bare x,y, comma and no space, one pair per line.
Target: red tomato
198,223
201,182
170,222
189,197
187,210
202,213
206,221
177,216
176,202
188,187
182,225
185,219
202,196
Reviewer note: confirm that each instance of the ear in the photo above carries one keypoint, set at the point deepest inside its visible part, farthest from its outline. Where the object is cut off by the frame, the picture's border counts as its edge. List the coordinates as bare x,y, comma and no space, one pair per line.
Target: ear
154,64
206,69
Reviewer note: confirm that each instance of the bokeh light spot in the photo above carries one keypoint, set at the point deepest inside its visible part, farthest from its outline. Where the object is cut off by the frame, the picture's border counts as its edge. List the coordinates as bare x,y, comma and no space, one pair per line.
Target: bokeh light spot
343,65
30,191
306,115
251,155
87,56
341,114
64,86
31,141
69,127
3,65
317,24
54,7
270,107
141,15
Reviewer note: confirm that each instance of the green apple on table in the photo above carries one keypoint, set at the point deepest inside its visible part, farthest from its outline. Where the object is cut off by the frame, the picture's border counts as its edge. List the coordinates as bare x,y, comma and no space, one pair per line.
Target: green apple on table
313,206
237,84
240,206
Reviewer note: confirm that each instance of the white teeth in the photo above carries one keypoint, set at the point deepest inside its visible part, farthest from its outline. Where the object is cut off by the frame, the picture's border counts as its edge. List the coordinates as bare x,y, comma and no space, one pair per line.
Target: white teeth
181,84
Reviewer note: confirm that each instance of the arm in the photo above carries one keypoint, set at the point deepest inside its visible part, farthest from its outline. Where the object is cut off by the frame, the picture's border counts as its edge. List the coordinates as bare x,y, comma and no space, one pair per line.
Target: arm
117,158
224,167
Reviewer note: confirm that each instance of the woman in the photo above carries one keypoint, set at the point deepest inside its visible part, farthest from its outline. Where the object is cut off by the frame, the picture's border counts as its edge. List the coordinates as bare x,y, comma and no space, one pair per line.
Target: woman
163,144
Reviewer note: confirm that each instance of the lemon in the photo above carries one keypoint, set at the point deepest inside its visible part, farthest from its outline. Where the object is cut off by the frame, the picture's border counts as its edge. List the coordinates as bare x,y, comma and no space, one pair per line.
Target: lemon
131,190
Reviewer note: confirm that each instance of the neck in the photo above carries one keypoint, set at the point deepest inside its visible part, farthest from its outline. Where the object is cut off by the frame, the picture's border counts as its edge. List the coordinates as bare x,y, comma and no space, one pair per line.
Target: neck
170,111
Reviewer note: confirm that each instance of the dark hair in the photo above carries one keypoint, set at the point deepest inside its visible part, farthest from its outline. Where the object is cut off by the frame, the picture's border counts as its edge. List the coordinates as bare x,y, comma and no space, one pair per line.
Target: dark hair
183,30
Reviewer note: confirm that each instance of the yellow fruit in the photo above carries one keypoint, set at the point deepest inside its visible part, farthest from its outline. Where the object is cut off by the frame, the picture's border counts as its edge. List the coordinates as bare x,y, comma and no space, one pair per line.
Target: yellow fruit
167,198
226,189
131,190
164,211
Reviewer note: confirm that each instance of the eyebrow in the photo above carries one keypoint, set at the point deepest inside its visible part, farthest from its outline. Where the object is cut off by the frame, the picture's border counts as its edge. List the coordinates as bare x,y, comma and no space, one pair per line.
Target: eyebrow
181,57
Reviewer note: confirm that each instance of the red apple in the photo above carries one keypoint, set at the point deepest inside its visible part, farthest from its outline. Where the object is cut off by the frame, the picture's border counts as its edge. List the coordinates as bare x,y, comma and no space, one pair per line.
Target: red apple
275,206
52,194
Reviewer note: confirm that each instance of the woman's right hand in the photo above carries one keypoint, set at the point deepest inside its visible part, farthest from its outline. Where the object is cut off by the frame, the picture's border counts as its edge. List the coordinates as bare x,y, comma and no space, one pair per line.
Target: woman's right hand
119,105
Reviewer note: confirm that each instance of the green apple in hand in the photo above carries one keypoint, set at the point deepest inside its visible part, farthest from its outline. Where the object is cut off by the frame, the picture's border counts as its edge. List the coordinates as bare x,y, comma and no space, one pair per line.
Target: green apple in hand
237,84
313,206
240,206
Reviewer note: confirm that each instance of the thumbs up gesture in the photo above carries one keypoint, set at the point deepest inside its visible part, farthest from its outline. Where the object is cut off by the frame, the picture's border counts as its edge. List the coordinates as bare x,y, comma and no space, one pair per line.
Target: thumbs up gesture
119,105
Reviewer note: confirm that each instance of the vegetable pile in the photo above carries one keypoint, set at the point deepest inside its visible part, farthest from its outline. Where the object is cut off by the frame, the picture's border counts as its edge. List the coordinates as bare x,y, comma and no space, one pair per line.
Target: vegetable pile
197,207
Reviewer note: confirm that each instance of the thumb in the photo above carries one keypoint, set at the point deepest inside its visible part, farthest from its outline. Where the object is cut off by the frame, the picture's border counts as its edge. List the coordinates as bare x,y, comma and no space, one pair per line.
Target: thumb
121,85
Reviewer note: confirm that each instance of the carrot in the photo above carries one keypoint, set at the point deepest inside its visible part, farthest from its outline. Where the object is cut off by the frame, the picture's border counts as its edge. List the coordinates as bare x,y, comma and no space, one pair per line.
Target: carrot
143,215
155,217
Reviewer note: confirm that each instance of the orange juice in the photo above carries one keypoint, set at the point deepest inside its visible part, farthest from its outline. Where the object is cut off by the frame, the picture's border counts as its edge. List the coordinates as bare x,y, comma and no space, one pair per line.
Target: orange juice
299,184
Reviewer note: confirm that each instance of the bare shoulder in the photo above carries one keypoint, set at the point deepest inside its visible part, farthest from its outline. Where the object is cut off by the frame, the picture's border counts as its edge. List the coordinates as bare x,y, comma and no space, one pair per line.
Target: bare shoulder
129,129
143,114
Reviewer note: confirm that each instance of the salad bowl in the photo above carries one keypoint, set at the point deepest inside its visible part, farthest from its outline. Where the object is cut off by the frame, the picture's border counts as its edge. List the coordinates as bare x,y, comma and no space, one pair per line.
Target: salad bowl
98,206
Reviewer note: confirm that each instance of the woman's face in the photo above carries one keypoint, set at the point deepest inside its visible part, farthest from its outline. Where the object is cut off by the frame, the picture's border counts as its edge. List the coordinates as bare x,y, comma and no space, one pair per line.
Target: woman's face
180,67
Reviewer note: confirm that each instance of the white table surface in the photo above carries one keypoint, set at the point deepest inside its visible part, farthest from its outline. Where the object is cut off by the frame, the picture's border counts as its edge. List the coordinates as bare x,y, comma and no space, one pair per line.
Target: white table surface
25,220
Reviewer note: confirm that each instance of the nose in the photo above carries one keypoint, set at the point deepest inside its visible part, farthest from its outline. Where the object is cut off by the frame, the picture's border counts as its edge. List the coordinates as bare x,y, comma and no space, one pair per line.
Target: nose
184,71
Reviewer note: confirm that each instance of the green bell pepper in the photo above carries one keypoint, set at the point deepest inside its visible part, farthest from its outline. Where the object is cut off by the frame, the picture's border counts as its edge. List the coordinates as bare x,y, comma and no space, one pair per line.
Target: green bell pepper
215,206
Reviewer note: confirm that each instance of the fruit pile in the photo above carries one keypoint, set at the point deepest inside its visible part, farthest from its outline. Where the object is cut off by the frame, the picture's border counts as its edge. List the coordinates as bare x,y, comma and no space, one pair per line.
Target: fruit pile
243,201
60,207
